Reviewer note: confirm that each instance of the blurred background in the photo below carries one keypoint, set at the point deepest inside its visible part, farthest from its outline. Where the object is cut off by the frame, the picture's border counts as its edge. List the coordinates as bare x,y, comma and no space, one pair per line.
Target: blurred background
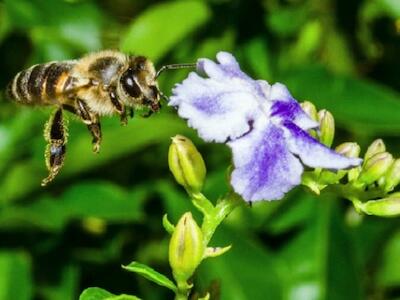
105,210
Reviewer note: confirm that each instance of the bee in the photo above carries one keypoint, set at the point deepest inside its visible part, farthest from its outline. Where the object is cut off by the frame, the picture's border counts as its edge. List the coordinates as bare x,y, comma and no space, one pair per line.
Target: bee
105,83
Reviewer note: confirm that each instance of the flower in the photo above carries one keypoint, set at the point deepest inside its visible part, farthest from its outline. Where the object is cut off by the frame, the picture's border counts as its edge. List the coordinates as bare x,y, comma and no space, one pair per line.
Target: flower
263,124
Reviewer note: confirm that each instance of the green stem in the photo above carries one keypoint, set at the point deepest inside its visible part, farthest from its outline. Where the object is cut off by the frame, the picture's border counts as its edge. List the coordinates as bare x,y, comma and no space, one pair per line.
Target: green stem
213,216
351,192
202,203
183,291
212,220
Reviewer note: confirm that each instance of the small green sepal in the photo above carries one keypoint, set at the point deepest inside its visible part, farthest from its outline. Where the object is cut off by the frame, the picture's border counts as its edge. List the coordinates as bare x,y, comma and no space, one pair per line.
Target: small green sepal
168,226
216,251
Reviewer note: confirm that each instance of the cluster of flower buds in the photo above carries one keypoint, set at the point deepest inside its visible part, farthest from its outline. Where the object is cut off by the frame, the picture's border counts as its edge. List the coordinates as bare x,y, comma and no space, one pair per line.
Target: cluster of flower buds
377,178
369,185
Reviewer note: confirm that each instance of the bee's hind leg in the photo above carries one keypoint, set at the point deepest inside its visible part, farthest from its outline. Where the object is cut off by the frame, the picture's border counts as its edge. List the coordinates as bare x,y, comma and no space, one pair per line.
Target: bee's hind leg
95,130
92,122
56,137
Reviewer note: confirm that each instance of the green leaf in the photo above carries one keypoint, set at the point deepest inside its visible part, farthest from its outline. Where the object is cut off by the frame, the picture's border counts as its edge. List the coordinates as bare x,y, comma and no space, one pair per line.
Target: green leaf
258,57
100,200
95,293
66,287
31,216
4,22
287,21
119,141
58,29
318,263
389,266
124,297
103,200
350,100
15,276
150,274
293,212
162,26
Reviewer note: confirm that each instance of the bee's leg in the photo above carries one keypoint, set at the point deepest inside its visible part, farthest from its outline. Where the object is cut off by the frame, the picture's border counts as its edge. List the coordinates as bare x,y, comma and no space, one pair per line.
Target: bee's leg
131,112
147,114
95,130
120,108
56,137
154,107
92,122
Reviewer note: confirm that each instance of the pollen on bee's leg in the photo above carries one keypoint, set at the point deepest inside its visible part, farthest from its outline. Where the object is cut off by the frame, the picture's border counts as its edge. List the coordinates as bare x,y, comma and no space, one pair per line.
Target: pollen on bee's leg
95,130
56,137
124,118
55,154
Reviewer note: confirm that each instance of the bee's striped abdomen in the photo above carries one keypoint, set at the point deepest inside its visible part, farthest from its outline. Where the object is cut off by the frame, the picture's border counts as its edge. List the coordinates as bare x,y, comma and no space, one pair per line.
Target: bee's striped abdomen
40,84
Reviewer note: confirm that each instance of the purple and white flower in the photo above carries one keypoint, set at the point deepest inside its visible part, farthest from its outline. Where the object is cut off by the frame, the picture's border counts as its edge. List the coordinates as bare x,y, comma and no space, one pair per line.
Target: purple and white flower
263,124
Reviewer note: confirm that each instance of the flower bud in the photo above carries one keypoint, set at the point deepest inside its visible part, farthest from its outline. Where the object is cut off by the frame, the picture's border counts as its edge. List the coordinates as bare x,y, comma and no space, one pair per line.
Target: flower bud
392,176
327,127
310,110
186,248
377,146
375,167
386,207
350,150
186,164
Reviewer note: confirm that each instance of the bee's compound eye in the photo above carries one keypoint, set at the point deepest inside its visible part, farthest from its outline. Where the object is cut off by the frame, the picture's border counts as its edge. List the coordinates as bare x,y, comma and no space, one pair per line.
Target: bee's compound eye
154,92
130,86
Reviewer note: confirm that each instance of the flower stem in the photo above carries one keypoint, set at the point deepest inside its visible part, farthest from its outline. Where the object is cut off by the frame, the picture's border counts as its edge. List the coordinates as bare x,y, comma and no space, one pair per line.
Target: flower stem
212,220
213,216
183,291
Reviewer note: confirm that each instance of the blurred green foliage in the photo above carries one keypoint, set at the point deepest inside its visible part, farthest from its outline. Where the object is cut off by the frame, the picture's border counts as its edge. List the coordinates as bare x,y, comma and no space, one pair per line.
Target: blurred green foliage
105,210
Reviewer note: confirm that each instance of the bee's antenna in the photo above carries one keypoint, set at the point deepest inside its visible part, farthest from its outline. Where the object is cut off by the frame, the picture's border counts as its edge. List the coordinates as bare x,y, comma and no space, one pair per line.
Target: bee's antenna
162,95
174,67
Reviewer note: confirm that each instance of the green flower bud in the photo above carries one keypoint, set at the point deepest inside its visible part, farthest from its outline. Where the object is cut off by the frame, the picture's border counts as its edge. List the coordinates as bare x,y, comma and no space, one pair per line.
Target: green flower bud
386,207
375,167
327,127
310,109
186,248
186,164
349,150
392,176
377,146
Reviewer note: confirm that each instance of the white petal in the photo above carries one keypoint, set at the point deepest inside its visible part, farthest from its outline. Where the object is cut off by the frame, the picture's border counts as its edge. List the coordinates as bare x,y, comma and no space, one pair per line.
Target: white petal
314,154
287,108
223,106
264,167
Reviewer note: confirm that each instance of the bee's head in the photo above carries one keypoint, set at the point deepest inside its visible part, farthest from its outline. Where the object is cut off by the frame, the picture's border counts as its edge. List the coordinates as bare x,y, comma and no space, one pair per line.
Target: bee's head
138,85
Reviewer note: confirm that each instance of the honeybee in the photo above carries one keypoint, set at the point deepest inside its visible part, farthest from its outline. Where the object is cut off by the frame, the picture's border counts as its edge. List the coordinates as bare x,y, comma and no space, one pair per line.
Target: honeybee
104,83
